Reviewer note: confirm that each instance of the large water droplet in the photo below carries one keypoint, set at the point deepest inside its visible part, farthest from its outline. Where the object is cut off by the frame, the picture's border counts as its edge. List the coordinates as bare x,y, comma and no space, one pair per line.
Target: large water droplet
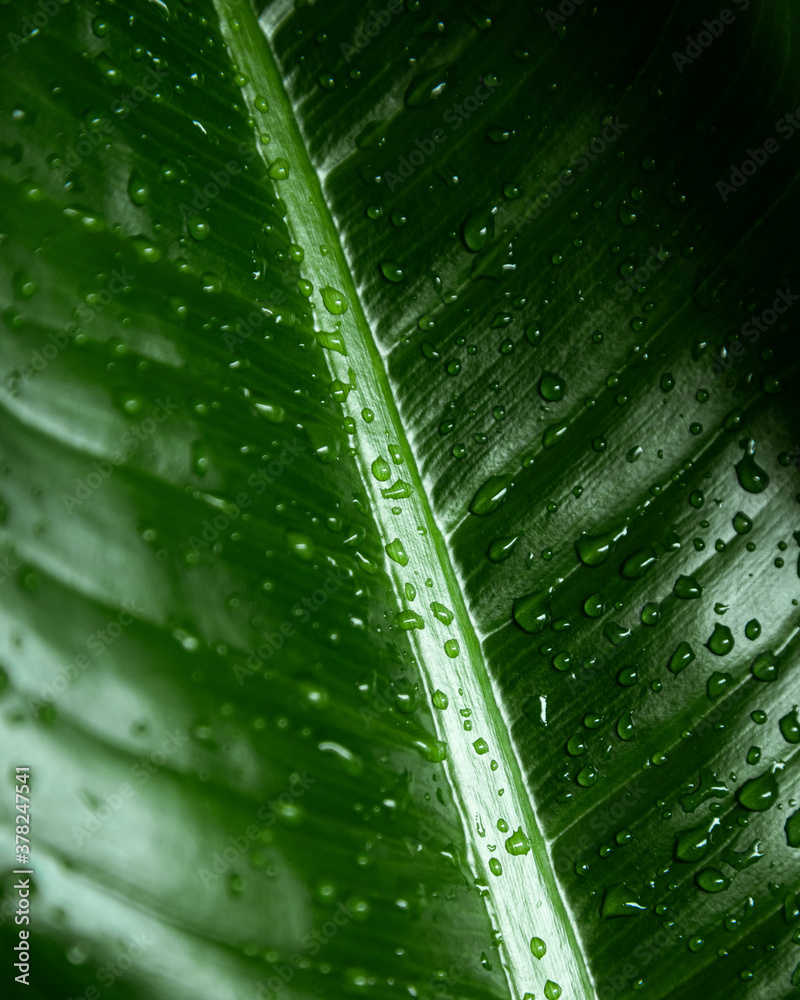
789,726
712,880
621,901
636,565
532,612
552,387
792,829
751,476
593,550
501,548
477,230
490,495
766,666
759,793
721,640
687,588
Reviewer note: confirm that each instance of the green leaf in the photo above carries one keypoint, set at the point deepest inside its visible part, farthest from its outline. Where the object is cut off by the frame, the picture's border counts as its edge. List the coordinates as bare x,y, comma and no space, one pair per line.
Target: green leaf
398,555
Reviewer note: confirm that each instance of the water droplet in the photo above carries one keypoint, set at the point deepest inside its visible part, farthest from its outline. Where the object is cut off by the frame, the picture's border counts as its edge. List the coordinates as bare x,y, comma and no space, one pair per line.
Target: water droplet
552,387
759,793
396,552
651,614
687,588
333,341
789,726
766,666
587,776
408,620
620,901
538,948
742,524
490,495
440,700
792,829
433,750
721,640
636,565
426,87
751,476
392,271
518,844
626,729
300,545
399,490
682,657
718,684
501,548
593,606
477,230
199,229
692,845
593,550
334,301
451,648
552,991
279,169
712,880
532,612
445,615
495,867
138,189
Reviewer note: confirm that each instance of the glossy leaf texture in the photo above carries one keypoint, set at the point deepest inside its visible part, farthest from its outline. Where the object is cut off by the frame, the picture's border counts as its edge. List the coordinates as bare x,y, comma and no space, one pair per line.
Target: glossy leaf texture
399,480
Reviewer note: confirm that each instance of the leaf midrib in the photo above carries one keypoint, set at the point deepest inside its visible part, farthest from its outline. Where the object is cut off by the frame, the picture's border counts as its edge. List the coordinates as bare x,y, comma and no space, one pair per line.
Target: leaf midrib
465,679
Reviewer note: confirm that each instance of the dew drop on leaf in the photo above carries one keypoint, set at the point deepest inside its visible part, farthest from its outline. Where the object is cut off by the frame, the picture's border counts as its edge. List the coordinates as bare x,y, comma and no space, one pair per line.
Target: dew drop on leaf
501,548
538,948
759,793
789,726
752,477
721,640
687,588
490,495
712,880
552,387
